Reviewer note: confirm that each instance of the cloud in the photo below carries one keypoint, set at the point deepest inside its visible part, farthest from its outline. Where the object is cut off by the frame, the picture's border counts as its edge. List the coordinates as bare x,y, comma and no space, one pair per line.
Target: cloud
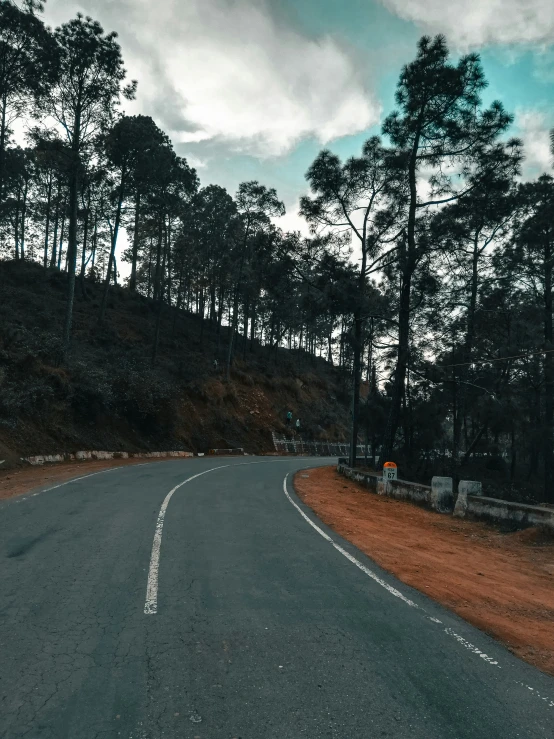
473,23
533,126
292,221
229,70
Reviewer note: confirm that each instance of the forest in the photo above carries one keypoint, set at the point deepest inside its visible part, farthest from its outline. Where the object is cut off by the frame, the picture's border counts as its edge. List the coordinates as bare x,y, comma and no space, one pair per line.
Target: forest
426,281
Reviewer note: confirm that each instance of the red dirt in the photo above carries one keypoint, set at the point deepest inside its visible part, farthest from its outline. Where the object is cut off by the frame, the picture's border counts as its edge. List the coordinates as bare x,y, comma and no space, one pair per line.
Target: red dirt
20,481
501,583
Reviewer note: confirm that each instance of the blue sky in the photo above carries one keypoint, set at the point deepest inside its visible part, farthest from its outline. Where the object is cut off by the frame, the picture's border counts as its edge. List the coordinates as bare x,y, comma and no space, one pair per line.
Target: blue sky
253,89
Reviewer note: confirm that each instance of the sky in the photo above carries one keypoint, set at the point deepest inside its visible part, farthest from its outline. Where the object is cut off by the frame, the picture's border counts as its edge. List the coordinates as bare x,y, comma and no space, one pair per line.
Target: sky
254,89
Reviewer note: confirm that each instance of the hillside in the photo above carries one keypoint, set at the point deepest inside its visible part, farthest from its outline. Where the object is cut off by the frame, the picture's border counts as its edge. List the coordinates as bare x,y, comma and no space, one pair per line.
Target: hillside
109,395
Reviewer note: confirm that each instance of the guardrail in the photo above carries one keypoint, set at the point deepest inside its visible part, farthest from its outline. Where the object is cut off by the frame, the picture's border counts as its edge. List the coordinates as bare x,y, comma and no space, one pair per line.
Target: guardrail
297,445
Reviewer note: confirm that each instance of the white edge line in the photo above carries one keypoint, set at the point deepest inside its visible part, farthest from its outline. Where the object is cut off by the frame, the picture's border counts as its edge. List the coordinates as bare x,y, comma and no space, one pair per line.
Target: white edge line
363,568
389,588
26,496
76,479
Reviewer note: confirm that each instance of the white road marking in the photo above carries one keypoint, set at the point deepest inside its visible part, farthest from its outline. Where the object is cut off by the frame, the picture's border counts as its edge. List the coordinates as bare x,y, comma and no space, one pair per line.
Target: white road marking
76,479
472,648
393,591
363,568
151,602
21,498
536,693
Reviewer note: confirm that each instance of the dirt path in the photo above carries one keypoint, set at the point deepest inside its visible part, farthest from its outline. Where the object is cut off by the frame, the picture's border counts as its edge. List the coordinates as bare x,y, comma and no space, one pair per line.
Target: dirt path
501,583
19,481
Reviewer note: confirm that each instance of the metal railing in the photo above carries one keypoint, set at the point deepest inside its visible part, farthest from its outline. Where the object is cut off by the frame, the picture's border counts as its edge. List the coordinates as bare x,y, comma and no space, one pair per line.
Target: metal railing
297,445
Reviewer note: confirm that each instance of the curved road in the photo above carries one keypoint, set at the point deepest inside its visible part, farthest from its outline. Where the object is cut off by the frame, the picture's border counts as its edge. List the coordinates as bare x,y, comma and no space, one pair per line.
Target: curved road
230,613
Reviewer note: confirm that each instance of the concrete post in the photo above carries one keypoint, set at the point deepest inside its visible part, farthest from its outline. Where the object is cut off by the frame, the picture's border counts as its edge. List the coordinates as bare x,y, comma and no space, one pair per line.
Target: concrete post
465,488
382,486
441,494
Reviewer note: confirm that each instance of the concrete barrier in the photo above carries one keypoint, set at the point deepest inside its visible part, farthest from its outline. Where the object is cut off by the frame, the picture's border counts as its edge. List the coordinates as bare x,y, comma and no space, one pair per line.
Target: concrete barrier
237,450
398,489
517,515
442,498
465,488
469,503
41,459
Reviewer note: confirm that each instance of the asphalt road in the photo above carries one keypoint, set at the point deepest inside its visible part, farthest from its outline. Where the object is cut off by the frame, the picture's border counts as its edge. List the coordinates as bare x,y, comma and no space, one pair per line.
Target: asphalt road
260,626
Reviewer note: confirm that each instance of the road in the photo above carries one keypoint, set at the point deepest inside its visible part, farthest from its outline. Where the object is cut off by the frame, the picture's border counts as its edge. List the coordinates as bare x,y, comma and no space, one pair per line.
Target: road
231,612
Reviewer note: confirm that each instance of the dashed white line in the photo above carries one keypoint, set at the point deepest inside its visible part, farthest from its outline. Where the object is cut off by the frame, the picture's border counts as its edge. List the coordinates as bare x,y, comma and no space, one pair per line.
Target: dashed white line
472,647
536,693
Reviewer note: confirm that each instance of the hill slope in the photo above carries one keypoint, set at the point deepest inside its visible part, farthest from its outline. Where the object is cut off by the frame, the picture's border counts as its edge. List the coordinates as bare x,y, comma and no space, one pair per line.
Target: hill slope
109,395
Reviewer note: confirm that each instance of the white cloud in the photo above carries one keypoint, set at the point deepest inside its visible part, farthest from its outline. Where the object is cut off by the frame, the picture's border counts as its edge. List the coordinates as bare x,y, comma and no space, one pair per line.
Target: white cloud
533,126
291,221
228,70
471,23
196,162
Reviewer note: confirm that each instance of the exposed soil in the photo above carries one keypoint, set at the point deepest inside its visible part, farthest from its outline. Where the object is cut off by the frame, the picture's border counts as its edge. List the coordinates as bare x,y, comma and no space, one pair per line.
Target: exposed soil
501,583
19,481
109,394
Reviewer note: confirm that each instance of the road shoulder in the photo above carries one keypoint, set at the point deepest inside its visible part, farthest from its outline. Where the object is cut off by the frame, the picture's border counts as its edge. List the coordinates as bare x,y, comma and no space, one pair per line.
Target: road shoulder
15,482
500,583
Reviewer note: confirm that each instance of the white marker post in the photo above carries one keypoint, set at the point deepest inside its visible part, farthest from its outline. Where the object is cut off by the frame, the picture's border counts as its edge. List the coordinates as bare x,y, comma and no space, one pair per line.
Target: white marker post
390,471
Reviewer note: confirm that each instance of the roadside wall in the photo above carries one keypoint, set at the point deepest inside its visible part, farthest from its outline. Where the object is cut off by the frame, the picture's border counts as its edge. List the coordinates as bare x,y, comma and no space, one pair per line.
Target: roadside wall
469,501
399,489
518,515
41,459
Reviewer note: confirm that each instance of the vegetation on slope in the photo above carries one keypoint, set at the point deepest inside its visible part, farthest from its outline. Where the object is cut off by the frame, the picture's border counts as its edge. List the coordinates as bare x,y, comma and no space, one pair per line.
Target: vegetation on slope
109,394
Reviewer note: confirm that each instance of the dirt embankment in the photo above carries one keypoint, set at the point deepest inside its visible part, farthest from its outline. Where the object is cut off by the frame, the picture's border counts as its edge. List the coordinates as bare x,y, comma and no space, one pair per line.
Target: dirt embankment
501,583
19,481
110,394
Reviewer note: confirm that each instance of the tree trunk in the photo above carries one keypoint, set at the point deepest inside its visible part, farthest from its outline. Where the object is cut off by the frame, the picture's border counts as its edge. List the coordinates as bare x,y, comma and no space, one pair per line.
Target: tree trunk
23,218
72,242
3,128
407,267
548,379
113,245
133,280
476,440
253,326
356,379
233,329
158,260
56,224
400,372
47,229
16,228
84,248
157,331
513,452
60,246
